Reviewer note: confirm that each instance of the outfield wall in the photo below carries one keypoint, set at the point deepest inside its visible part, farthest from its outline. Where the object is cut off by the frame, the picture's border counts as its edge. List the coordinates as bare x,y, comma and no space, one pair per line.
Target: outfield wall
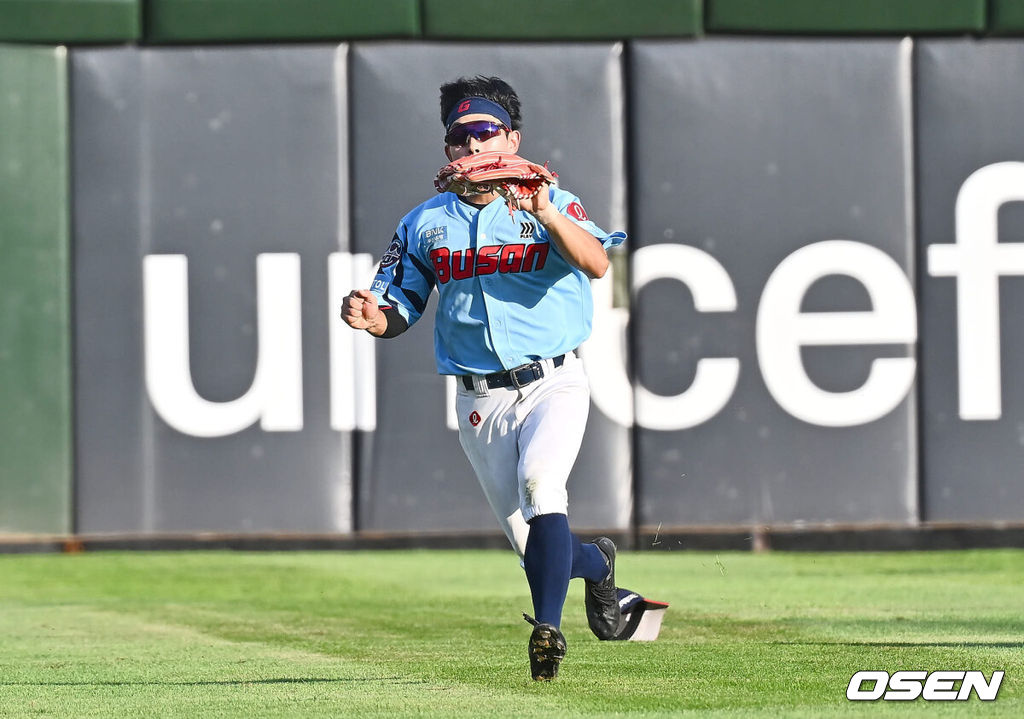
806,329
35,327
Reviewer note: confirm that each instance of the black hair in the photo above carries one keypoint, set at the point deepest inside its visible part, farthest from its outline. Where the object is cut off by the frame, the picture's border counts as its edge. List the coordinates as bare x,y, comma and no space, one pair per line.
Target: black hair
493,88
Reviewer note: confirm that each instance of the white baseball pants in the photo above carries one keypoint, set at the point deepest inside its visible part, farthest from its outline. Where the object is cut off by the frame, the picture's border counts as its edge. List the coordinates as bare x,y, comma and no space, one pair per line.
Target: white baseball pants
523,443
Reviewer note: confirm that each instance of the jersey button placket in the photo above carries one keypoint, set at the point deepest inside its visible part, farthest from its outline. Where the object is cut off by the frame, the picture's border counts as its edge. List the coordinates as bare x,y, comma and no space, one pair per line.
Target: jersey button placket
496,315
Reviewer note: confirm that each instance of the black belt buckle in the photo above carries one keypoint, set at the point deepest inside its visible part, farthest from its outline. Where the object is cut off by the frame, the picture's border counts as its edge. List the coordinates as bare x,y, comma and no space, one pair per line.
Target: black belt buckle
533,371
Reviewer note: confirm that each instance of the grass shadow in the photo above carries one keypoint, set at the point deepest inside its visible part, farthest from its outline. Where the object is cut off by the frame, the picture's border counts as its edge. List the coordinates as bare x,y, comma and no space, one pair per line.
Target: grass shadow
898,644
226,683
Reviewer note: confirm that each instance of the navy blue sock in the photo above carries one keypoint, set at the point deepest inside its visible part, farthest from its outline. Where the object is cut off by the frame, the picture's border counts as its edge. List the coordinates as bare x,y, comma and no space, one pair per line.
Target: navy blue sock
548,564
588,561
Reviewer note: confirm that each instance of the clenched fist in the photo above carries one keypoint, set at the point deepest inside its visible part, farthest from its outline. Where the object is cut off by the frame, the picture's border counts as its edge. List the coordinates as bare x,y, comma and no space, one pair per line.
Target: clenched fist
360,311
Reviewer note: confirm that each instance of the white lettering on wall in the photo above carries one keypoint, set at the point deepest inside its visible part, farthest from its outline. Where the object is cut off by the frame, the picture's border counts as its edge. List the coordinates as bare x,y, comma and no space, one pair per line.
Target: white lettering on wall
715,379
353,358
604,355
977,259
782,329
275,396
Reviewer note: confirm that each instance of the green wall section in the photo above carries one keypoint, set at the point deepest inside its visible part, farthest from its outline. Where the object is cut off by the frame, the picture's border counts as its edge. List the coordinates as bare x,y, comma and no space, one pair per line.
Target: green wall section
1006,16
565,19
35,335
59,21
190,21
247,20
846,16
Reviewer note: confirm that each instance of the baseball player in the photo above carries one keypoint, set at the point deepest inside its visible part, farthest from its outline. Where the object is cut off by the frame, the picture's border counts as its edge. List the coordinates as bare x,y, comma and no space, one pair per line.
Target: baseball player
514,302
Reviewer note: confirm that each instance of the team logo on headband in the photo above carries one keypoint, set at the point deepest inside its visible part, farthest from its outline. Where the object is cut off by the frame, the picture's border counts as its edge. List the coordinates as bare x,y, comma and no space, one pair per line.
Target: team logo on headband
464,106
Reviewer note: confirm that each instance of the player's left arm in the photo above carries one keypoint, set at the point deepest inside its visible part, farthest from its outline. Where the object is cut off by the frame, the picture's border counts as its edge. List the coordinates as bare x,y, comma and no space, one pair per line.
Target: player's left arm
579,248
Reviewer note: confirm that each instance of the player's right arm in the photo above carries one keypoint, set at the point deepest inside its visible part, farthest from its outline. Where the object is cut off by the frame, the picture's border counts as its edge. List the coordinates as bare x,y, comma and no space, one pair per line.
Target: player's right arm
360,311
398,295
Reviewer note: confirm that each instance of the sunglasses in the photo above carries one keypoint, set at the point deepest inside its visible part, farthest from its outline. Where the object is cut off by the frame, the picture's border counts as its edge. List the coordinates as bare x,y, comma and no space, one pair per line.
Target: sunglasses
482,130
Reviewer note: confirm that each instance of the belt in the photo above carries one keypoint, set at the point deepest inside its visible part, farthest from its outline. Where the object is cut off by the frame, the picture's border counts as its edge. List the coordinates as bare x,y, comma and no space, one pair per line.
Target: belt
516,377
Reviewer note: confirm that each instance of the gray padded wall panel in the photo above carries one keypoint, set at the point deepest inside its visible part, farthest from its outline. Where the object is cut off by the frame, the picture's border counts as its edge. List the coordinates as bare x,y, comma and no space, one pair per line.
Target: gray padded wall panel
746,153
969,105
220,155
413,474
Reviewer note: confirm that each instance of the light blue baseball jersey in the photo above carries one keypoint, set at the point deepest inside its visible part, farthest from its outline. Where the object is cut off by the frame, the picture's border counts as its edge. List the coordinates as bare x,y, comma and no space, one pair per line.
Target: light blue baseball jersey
506,297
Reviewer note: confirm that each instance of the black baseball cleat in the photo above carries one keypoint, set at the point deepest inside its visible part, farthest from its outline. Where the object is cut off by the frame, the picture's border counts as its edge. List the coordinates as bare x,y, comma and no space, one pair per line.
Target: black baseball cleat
602,600
547,650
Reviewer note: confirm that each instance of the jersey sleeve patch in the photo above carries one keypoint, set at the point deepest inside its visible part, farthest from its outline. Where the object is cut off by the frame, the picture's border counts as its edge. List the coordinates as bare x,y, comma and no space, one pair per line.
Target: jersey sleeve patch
393,254
575,210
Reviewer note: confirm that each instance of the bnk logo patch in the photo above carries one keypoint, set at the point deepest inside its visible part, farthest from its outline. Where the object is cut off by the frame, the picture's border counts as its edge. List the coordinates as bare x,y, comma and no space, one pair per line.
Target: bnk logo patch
434,235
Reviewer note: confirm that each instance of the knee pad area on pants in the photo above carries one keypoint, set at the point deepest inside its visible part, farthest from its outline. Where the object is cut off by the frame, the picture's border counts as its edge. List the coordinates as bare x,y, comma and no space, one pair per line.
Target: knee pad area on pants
543,495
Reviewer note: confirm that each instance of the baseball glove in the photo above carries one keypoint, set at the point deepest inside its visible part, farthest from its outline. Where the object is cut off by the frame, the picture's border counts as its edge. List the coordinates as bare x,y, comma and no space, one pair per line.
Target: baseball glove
511,176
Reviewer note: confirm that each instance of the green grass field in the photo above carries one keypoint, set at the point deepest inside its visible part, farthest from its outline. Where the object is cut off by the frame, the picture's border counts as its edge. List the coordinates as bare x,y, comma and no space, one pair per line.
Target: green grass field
440,634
